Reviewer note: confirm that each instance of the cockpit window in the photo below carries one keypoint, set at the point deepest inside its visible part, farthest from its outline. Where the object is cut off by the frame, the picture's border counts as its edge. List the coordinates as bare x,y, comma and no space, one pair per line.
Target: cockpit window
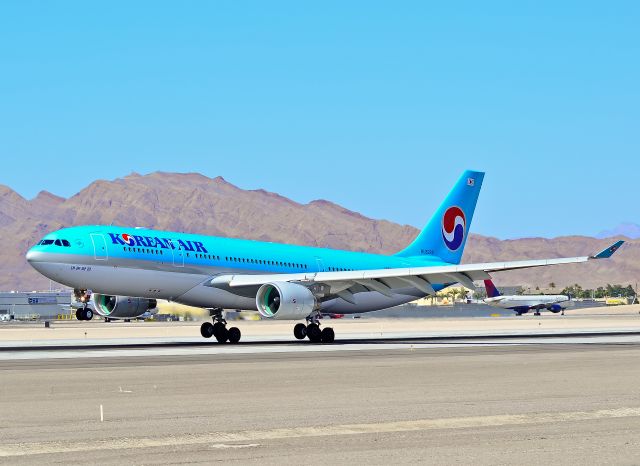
57,242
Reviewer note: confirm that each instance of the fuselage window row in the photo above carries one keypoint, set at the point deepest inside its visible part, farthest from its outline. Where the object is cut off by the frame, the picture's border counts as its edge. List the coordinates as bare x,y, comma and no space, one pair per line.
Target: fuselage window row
215,257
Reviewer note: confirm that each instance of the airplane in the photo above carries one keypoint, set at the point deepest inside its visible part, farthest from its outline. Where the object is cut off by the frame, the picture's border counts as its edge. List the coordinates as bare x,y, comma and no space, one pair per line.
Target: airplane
119,268
521,304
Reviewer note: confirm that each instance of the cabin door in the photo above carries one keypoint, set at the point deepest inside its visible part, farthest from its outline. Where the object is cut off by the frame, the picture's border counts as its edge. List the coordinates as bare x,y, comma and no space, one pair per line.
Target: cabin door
100,252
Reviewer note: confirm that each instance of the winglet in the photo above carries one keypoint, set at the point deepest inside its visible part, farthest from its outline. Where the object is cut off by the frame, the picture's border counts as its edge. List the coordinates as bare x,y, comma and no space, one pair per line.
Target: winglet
608,252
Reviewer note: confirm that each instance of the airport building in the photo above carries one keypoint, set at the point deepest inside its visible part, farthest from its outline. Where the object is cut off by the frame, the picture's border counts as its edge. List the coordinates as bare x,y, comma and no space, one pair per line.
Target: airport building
34,305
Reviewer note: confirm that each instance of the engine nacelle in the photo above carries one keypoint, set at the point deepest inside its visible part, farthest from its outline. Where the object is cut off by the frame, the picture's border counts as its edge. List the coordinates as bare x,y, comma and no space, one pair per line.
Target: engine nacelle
555,308
121,307
282,300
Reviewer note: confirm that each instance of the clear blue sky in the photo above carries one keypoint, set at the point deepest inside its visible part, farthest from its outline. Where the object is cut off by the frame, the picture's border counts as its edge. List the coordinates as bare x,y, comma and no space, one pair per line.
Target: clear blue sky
377,106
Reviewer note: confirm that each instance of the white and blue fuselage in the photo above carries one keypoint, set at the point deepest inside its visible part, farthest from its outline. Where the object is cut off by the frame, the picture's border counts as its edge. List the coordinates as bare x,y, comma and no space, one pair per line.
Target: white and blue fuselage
180,267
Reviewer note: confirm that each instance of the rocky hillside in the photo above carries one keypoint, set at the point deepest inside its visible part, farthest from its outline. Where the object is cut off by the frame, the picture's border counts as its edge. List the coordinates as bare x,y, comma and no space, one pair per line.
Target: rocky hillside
195,203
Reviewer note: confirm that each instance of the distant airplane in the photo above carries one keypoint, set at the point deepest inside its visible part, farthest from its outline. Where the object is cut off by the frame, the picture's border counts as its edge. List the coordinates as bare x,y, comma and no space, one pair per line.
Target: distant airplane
110,265
521,304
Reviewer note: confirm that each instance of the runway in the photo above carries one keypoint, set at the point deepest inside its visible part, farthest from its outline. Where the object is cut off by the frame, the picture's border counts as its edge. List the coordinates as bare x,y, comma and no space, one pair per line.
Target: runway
540,400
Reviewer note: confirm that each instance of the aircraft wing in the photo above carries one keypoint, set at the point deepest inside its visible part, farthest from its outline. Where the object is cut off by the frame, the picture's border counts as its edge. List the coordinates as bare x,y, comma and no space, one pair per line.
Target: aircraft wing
385,280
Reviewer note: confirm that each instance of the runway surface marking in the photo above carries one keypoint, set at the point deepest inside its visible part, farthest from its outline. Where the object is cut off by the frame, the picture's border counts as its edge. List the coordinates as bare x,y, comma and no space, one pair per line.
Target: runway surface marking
252,438
304,347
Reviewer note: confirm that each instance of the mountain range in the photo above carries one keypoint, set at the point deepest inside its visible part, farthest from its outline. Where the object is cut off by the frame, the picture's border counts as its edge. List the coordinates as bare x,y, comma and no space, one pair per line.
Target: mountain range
197,204
628,229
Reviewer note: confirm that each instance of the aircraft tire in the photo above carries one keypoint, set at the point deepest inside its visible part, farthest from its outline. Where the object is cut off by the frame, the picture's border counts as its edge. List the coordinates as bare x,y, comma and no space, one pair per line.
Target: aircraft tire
327,335
220,332
206,330
79,314
234,334
87,314
300,331
313,333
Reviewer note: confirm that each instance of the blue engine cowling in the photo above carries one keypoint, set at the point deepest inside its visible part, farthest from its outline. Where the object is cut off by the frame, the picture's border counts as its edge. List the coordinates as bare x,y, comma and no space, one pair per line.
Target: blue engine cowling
555,308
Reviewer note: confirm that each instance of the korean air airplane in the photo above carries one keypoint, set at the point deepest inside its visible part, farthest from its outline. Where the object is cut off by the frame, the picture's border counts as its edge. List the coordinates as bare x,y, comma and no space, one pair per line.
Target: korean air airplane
122,271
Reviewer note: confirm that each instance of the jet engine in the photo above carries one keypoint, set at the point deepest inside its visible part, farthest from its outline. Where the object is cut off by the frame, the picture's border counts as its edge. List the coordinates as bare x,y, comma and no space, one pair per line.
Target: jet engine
555,308
121,307
283,300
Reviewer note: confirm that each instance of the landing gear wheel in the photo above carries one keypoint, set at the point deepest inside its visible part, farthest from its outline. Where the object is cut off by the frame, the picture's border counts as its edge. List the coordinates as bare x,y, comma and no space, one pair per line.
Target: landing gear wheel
218,327
87,314
222,335
79,314
234,335
206,329
327,335
313,333
300,331
220,332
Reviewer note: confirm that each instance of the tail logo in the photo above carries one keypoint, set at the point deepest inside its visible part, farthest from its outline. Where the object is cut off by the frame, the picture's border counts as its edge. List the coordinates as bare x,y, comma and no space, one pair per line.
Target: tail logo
453,228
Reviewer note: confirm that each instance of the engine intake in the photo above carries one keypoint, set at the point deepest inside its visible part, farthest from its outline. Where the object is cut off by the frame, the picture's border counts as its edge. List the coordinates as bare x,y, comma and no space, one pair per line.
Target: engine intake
283,300
122,307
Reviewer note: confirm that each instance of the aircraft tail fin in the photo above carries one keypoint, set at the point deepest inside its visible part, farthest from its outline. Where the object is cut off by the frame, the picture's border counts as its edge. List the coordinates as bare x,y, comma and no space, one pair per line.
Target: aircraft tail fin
492,291
445,235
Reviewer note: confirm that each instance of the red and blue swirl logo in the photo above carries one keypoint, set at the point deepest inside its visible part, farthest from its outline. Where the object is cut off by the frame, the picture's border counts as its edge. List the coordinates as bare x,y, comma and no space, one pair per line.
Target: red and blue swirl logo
454,226
127,239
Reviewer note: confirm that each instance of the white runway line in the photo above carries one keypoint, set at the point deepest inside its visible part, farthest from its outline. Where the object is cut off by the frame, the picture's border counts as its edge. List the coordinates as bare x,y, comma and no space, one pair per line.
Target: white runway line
288,338
217,349
223,439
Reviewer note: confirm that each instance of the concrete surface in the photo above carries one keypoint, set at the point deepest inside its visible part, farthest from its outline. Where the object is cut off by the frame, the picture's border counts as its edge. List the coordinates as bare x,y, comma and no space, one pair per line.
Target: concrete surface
622,318
526,404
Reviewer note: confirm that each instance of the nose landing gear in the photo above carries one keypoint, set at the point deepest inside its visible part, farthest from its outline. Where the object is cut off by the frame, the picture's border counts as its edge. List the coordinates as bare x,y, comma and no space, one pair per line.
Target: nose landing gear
83,296
312,331
219,330
84,314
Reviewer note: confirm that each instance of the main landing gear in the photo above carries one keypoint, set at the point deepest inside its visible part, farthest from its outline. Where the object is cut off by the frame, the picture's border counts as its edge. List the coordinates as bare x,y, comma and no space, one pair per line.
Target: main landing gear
312,331
218,328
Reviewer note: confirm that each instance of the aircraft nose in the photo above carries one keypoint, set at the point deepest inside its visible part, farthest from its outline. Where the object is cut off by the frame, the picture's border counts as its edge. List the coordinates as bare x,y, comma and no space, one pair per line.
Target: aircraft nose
33,256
